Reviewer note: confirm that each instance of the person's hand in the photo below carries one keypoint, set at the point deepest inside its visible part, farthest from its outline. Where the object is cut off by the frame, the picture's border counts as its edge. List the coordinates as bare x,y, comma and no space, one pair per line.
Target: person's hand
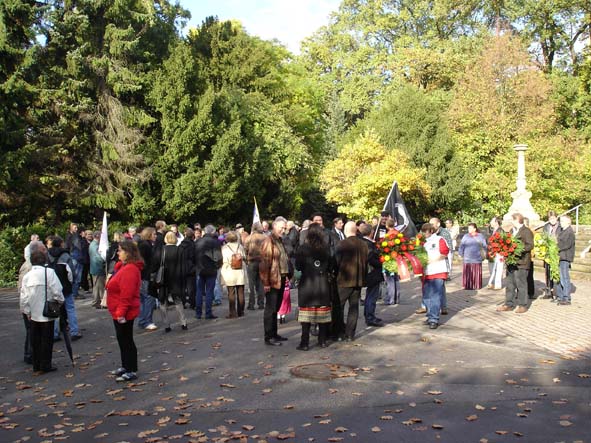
121,320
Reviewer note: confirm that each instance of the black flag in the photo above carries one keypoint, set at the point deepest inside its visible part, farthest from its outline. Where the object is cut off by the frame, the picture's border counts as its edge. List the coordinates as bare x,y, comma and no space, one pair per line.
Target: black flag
396,207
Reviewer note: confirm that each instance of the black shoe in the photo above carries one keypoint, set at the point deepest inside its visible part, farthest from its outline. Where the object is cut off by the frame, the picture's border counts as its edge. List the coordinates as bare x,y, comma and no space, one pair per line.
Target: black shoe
250,308
377,324
444,311
184,327
168,329
279,338
52,369
211,317
273,343
76,337
302,348
433,325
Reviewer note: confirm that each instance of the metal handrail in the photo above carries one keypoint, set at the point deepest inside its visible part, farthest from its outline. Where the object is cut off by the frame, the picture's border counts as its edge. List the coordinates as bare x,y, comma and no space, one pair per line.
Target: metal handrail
576,208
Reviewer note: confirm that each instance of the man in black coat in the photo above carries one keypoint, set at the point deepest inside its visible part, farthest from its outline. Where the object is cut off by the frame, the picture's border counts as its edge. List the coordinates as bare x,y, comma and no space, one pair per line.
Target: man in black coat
516,289
566,251
374,279
208,257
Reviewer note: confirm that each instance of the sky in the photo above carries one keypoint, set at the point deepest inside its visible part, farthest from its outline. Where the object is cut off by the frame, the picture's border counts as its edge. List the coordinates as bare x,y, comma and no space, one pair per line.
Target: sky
289,21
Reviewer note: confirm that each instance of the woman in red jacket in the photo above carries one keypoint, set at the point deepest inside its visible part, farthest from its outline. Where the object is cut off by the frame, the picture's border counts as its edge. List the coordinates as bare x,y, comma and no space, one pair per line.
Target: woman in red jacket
123,301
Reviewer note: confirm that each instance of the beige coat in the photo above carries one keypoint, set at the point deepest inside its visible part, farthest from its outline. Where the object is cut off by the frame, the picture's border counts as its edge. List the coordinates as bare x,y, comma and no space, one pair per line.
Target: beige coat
232,277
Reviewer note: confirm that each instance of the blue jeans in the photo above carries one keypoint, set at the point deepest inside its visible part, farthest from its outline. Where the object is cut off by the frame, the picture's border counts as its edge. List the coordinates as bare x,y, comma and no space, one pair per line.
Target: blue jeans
205,287
76,276
217,290
371,297
392,289
433,297
147,304
72,318
564,287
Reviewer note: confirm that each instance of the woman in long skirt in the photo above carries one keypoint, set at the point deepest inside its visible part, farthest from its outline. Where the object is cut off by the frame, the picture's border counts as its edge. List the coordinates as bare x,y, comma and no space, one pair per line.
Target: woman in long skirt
472,249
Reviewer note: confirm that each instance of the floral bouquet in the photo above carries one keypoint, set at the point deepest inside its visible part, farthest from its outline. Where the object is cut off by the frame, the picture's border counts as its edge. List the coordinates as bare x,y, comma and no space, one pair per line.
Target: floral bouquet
546,248
397,251
505,244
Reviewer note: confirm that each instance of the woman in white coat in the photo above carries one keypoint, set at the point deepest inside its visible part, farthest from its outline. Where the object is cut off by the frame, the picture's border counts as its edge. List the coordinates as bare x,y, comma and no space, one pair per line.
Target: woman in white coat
232,272
40,282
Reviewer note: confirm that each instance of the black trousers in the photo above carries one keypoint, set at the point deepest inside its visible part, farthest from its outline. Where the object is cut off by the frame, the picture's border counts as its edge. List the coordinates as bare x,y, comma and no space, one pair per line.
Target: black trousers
322,332
337,325
126,345
28,357
272,303
190,291
531,288
255,287
42,344
352,295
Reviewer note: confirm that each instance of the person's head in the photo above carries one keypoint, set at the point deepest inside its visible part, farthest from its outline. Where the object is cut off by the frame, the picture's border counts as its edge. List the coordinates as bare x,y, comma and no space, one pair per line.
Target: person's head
552,217
306,224
384,215
427,230
38,258
315,236
73,227
148,234
96,235
517,220
265,225
170,238
435,222
375,220
221,230
128,252
239,228
37,246
565,221
257,227
338,223
290,225
160,225
390,223
317,219
449,223
472,228
279,226
49,241
197,226
495,222
209,230
350,229
198,232
132,230
118,236
56,241
34,237
189,233
174,228
89,235
232,237
365,229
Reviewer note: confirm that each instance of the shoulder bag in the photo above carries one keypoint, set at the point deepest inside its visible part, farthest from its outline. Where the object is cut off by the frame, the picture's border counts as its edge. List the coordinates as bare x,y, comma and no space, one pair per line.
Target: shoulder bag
51,309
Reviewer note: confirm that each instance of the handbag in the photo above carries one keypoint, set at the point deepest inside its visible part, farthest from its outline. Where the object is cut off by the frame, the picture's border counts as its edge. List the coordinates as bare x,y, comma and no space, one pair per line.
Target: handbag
158,277
52,308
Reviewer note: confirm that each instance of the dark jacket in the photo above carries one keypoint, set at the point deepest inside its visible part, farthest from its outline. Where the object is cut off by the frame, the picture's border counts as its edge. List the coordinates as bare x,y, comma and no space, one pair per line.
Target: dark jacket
187,259
73,242
351,259
112,257
527,238
291,241
146,251
566,244
172,284
315,265
374,266
59,259
208,256
84,256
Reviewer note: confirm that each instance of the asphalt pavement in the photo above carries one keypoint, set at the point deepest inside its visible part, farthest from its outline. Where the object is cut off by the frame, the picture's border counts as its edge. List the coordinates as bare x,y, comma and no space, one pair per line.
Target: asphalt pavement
482,376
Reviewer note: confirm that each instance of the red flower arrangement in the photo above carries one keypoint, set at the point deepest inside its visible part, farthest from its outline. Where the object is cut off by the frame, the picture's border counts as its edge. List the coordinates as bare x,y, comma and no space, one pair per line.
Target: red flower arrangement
505,244
397,251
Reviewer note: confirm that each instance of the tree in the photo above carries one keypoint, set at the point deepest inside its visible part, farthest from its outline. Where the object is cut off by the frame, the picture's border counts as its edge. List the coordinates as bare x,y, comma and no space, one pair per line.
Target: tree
359,179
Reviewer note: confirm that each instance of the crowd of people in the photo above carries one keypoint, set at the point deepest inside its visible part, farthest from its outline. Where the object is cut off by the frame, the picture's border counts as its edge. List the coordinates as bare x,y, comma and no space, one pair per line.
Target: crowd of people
161,269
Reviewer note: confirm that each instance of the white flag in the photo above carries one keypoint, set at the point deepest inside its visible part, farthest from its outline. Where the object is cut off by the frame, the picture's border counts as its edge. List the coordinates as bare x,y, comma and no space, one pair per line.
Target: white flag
104,241
255,214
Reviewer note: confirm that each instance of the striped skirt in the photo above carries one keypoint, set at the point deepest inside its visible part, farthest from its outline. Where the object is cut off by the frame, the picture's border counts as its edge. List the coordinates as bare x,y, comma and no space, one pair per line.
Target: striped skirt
472,276
320,314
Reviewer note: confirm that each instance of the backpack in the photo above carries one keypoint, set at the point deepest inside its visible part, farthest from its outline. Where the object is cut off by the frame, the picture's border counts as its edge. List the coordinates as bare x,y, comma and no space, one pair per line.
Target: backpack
236,260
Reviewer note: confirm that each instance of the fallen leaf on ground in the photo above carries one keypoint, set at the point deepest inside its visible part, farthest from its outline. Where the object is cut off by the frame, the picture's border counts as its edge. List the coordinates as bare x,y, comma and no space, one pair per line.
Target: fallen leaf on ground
472,417
480,407
340,429
565,423
436,426
376,429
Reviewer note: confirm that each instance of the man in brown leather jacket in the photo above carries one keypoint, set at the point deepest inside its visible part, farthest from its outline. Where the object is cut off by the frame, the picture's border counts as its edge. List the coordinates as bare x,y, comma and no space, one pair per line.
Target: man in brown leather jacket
273,270
351,256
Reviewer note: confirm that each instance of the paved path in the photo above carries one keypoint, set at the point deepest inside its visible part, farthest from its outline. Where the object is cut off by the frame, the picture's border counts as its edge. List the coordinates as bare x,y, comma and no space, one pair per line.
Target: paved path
481,377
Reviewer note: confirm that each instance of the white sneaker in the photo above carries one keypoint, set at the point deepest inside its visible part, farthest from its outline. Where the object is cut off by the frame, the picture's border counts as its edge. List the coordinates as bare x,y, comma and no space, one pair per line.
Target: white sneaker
151,327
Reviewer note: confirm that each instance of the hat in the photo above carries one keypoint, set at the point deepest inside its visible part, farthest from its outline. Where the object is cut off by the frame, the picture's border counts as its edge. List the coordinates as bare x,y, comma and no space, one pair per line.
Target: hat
238,226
